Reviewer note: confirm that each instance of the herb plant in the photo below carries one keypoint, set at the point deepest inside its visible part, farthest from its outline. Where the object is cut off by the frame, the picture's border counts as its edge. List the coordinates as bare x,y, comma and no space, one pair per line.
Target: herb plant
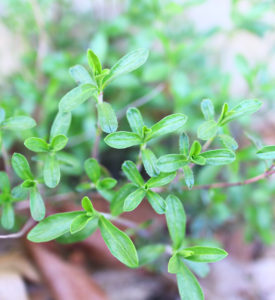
160,184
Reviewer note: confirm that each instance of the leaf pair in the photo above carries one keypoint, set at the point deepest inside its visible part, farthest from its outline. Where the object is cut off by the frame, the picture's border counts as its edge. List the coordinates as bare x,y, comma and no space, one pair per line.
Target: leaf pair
51,169
22,169
208,129
144,189
72,226
140,133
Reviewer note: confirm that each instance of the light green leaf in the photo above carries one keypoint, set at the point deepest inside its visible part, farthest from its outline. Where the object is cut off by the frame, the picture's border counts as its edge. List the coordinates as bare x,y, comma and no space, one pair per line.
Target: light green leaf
228,142
188,176
133,200
156,201
37,205
75,97
195,149
219,157
135,120
176,220
79,223
119,244
87,205
167,125
52,227
171,162
131,172
107,117
267,152
81,75
2,115
126,64
150,162
4,182
61,124
203,254
94,62
184,144
207,130
51,171
246,107
207,109
150,253
161,180
36,144
7,218
58,142
21,166
122,139
92,169
18,123
106,183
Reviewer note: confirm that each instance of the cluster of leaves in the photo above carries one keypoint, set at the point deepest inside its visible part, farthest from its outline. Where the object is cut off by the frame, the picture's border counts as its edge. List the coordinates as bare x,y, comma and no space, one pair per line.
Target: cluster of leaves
74,226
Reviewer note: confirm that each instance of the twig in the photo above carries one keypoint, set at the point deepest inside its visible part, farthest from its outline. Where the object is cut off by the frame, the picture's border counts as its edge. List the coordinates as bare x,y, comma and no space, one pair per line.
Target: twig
141,101
20,233
220,185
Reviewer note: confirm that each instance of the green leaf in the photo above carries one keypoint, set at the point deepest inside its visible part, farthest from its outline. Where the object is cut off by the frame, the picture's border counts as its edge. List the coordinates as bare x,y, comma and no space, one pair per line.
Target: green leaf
28,183
18,123
92,169
150,162
37,205
7,218
126,64
167,125
119,198
195,149
81,75
228,142
135,120
171,162
21,166
150,253
219,157
176,220
175,264
267,152
94,62
36,144
51,171
119,244
156,201
19,193
106,183
207,130
207,109
79,223
203,254
107,117
75,97
246,107
188,285
87,205
134,199
122,139
188,176
184,144
4,182
61,123
89,229
2,115
161,179
224,112
199,160
52,227
131,172
58,142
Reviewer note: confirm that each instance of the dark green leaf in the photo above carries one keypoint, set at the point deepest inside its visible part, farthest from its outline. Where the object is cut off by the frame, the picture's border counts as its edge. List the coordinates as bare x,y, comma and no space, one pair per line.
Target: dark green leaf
132,173
37,205
171,162
122,139
161,179
267,152
51,171
176,220
107,117
36,144
119,244
134,199
219,157
135,120
150,162
156,201
92,169
52,227
21,166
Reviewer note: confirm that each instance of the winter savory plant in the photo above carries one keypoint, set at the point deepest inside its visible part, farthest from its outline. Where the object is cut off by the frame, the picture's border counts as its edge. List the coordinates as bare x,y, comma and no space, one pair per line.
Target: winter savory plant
163,172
